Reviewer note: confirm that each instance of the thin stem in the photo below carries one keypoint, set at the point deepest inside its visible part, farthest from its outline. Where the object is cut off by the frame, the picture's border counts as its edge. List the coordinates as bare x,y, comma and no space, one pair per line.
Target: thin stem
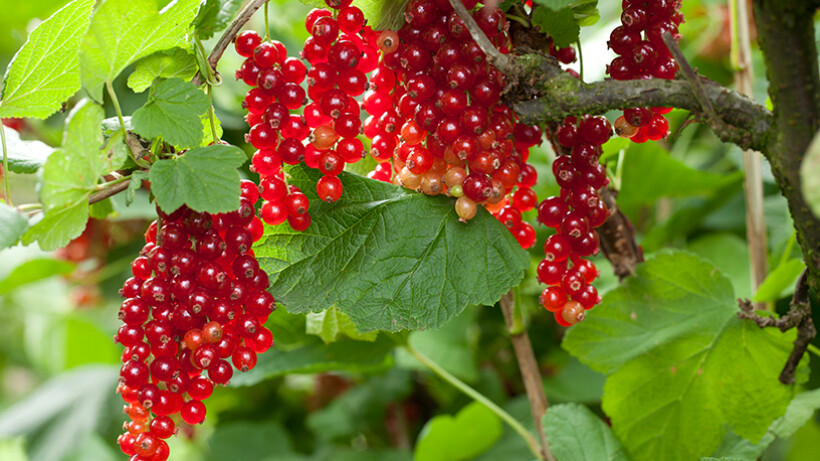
106,185
814,349
692,77
580,58
5,164
267,26
493,55
211,115
478,397
118,109
108,192
26,207
518,19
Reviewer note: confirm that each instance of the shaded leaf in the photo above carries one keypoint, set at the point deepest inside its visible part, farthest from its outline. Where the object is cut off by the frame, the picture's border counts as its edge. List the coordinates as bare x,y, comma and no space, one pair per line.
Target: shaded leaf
173,111
176,62
25,156
381,14
560,25
33,271
214,16
45,72
388,258
575,433
779,280
471,432
248,440
12,226
331,324
204,178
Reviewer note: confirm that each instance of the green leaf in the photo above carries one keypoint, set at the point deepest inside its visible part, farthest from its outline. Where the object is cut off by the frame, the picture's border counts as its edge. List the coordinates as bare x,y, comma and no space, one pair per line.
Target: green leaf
575,433
809,177
25,156
176,62
204,178
730,254
800,410
134,185
69,176
12,226
173,111
248,440
575,382
388,258
779,280
101,209
32,271
331,324
382,14
45,72
471,432
64,412
214,16
123,31
684,368
13,449
560,25
362,407
348,355
649,174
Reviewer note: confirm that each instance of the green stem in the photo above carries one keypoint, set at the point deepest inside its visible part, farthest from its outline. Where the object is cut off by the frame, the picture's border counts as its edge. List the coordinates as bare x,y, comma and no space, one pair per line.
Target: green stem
211,115
106,185
518,19
787,253
30,207
118,109
580,59
5,164
814,349
267,27
478,397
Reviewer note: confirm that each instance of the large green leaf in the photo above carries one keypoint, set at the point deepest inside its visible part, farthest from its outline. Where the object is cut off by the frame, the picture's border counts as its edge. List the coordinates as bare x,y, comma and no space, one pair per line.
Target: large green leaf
575,433
558,24
471,432
64,412
684,368
32,271
173,111
12,226
730,254
317,357
69,176
176,62
390,259
204,178
123,31
45,72
25,156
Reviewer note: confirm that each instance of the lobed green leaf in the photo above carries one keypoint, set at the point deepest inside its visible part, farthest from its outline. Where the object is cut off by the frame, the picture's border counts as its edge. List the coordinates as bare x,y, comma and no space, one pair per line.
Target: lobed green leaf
176,62
388,258
45,71
560,25
575,433
204,178
123,31
25,157
173,111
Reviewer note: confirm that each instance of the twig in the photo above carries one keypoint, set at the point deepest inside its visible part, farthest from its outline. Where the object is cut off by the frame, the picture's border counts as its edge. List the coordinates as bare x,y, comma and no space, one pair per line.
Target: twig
109,192
493,55
799,316
478,397
227,38
5,164
692,77
530,373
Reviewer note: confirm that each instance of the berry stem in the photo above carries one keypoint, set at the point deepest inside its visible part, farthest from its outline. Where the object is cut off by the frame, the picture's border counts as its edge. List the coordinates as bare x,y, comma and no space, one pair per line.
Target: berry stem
518,19
267,25
814,349
116,102
530,373
478,397
211,114
694,80
5,165
580,59
493,55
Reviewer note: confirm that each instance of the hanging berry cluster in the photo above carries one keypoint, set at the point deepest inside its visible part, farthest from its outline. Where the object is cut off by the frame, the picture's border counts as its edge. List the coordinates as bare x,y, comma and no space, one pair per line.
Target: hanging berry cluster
643,54
574,215
275,131
341,51
197,299
435,111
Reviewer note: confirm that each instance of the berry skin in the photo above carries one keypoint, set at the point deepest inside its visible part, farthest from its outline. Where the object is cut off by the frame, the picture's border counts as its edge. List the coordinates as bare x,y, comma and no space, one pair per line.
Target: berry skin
246,41
329,188
193,412
553,299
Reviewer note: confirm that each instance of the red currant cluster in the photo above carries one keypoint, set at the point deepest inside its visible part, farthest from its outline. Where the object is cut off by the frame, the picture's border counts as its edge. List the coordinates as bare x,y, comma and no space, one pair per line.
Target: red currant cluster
341,51
435,111
197,299
574,215
275,132
643,54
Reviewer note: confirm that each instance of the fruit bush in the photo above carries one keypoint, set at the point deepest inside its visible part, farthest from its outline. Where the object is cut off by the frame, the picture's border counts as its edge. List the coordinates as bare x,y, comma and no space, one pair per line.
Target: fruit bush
424,229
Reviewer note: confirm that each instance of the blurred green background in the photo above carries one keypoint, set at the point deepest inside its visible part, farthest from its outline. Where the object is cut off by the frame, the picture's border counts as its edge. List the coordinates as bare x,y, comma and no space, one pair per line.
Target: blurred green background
58,312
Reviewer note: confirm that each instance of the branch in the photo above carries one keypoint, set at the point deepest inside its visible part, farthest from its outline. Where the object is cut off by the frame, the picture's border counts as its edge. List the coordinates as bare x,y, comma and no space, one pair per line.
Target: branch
108,192
230,33
692,78
530,373
741,121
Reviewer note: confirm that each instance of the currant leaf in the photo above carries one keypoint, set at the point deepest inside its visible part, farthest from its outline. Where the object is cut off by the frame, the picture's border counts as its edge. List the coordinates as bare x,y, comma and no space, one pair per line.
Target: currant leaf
214,16
173,111
13,226
25,156
575,433
671,342
111,43
472,431
383,14
331,324
45,71
176,62
389,258
560,25
205,179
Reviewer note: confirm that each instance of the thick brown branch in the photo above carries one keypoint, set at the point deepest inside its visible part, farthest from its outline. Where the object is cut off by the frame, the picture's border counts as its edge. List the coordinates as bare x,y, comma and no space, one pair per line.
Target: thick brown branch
109,192
227,38
530,372
786,36
741,121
